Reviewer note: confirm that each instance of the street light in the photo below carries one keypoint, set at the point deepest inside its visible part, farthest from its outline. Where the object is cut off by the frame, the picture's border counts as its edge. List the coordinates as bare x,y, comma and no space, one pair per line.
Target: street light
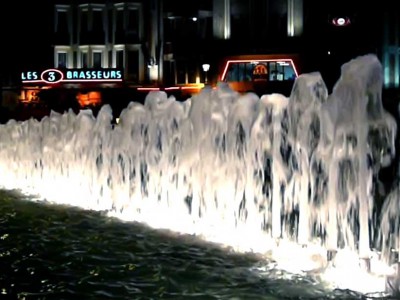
205,67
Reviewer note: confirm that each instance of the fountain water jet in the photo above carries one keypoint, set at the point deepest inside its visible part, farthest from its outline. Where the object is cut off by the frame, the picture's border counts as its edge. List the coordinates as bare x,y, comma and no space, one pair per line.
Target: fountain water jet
235,169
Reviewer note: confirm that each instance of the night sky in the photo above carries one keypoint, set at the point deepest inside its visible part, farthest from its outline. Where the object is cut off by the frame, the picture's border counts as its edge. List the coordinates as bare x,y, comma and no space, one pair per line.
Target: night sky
26,33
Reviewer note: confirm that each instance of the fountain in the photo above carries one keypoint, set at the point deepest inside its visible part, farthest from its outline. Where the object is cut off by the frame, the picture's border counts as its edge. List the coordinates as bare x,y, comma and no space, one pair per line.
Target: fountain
293,178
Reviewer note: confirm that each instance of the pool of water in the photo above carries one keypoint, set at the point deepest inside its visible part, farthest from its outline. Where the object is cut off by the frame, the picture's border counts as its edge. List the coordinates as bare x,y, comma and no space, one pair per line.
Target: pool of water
58,252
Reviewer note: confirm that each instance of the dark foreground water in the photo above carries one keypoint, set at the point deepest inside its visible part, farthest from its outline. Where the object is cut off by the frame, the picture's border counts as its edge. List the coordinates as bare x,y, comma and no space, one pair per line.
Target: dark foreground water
56,252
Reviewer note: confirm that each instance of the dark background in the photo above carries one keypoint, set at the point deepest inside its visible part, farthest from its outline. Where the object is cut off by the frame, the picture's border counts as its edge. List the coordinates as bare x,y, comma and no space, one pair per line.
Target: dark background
26,34
26,31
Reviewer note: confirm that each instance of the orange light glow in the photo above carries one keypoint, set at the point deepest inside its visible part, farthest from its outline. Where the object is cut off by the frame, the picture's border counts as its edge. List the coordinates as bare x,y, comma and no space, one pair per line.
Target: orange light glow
148,89
92,98
193,86
30,96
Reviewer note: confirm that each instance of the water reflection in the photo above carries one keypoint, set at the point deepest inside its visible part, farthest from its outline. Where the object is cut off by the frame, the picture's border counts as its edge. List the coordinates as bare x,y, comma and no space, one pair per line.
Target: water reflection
58,252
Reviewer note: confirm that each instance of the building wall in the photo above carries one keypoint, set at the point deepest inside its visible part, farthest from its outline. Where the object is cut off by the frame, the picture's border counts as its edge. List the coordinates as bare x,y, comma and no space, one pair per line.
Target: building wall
102,35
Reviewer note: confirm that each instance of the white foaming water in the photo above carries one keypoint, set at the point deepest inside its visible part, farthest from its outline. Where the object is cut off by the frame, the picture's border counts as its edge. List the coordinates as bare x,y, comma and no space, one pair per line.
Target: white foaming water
290,178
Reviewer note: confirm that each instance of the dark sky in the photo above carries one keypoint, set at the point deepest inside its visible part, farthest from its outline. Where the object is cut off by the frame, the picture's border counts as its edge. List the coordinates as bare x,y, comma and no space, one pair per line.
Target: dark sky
25,33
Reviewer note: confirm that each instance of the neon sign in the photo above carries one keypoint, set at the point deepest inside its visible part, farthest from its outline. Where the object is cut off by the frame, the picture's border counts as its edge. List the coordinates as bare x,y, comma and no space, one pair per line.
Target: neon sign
105,74
52,76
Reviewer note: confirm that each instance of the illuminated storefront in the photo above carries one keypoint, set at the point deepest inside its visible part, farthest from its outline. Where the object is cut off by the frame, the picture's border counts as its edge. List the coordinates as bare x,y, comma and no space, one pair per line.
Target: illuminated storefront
86,85
261,73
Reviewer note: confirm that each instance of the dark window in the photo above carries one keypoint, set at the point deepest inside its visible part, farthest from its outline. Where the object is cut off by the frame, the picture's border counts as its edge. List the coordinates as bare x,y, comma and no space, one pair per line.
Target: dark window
391,29
75,59
169,72
119,21
206,31
84,59
133,20
97,33
120,59
240,26
110,21
97,59
240,72
119,27
132,28
62,22
84,21
233,72
62,59
97,21
192,71
83,31
110,58
133,63
181,72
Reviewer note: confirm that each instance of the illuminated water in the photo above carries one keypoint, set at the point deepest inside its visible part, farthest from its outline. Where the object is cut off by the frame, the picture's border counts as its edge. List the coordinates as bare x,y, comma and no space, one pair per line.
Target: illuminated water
288,178
49,252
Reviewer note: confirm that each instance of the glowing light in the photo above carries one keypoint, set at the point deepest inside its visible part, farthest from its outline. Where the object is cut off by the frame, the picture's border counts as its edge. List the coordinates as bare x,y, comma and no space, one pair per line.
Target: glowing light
193,86
90,98
206,67
30,95
53,76
92,80
283,63
153,72
148,89
341,21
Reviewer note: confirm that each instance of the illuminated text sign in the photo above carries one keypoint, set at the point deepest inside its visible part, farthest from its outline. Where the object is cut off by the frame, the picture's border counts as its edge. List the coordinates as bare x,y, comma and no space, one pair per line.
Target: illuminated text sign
52,76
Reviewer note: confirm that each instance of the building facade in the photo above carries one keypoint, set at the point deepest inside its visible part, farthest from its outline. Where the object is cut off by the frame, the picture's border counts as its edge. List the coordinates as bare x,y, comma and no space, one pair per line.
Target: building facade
164,44
102,35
